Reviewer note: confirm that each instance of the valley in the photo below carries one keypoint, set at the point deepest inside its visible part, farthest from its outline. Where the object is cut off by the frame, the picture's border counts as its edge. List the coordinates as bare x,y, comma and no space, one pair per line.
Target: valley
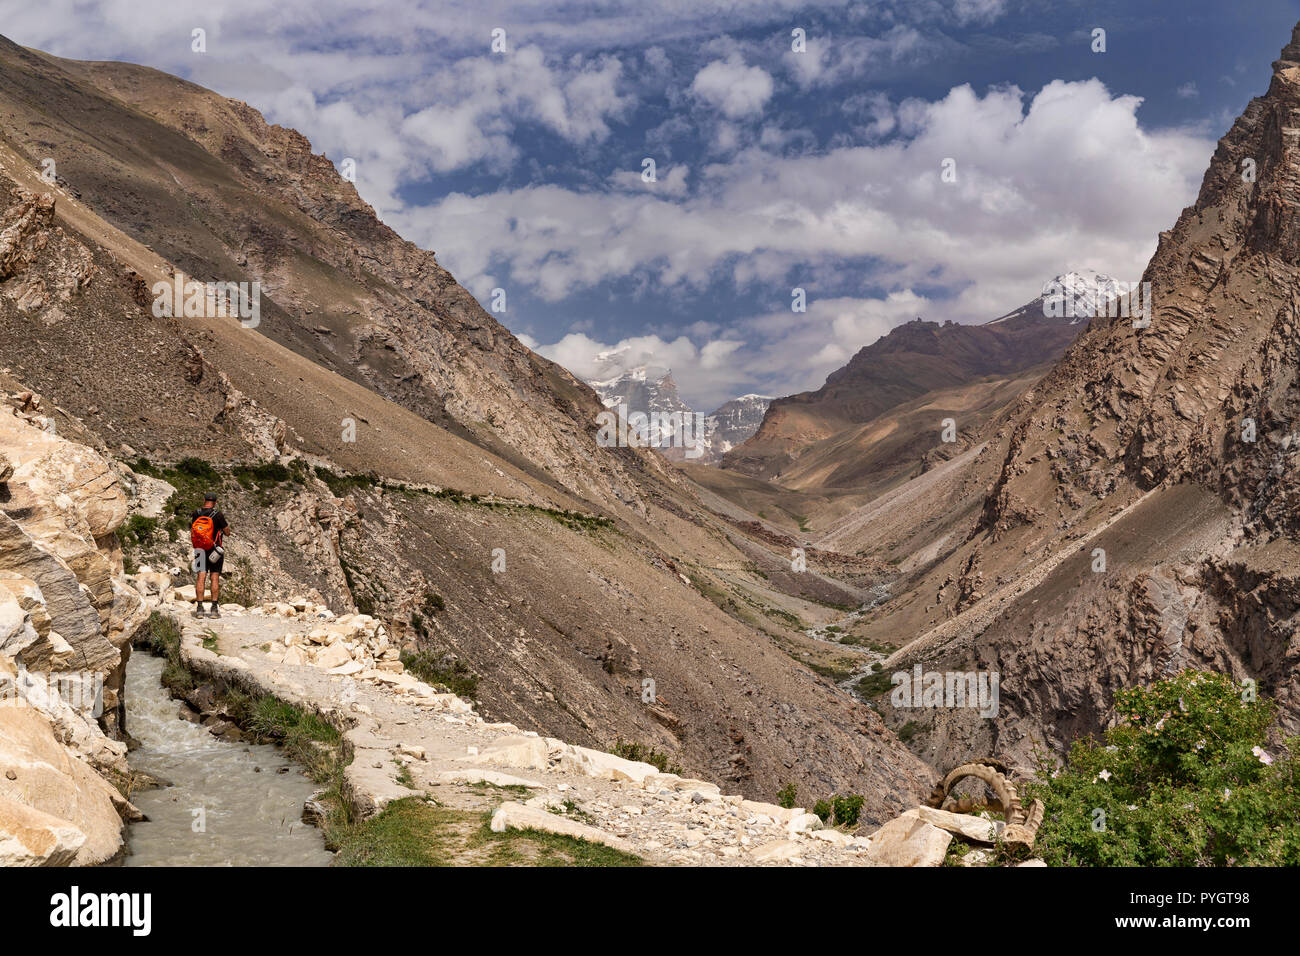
627,654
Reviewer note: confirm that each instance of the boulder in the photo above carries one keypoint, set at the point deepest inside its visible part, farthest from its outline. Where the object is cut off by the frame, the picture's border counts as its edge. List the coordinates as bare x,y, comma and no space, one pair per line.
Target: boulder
908,841
69,606
30,837
968,826
16,630
516,816
801,822
833,837
756,808
778,851
528,753
49,778
604,766
332,655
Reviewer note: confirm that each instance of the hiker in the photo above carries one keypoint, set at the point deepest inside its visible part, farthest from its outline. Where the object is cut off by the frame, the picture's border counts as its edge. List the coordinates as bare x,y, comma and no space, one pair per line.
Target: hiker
207,529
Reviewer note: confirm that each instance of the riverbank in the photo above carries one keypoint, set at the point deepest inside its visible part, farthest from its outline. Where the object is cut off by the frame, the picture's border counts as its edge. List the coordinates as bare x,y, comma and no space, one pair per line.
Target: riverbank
223,802
410,749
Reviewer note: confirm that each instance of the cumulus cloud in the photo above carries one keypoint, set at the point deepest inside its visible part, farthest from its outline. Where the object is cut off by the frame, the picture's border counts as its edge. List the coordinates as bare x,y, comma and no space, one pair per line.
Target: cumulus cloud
1040,183
737,91
828,59
483,96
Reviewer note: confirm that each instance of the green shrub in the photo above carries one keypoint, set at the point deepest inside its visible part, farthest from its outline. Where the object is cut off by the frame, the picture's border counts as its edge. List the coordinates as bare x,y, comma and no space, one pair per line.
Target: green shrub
841,810
270,473
644,754
847,809
787,795
440,671
162,636
1183,779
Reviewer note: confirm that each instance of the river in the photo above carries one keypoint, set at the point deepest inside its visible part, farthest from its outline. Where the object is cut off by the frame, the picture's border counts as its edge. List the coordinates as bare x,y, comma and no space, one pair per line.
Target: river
229,804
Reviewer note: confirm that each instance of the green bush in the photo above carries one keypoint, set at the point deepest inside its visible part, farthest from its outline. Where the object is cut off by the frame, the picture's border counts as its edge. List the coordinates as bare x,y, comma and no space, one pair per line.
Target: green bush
198,468
1184,779
841,810
787,795
847,809
644,754
440,671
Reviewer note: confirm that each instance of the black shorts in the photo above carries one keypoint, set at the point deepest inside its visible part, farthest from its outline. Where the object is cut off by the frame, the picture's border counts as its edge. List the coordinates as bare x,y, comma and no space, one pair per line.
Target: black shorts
207,561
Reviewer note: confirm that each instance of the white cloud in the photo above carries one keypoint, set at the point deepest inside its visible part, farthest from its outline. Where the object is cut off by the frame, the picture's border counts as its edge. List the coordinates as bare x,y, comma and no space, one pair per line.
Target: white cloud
734,89
1041,183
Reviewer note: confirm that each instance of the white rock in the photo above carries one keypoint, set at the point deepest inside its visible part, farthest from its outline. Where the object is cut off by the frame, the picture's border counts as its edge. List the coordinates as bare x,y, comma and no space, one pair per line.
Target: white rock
965,825
776,852
516,816
908,841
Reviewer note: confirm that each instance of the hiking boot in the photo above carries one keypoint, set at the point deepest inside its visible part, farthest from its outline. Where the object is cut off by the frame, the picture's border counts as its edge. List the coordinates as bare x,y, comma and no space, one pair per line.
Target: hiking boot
198,610
216,611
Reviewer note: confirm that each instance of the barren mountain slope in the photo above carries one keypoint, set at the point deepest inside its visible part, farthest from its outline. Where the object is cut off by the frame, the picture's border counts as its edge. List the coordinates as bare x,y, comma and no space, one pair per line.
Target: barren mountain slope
207,184
914,359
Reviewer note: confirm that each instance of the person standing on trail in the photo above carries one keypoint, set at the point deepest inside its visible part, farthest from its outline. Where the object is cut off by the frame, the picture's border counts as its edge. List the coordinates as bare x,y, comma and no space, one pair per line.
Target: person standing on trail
207,529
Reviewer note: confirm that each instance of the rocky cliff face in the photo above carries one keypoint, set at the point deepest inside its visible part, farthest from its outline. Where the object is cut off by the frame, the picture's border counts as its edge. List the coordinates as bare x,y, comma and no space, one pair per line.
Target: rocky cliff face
1206,390
225,196
1142,518
67,615
735,422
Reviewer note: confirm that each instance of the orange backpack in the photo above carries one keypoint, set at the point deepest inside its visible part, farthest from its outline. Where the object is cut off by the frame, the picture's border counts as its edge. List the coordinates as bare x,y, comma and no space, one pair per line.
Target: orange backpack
203,533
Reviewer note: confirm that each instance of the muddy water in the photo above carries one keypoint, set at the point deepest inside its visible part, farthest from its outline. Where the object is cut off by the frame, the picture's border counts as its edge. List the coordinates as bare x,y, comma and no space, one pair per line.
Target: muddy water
250,817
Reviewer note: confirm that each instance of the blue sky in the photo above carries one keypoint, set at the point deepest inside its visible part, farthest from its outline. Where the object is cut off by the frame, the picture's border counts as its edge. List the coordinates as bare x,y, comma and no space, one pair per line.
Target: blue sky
775,169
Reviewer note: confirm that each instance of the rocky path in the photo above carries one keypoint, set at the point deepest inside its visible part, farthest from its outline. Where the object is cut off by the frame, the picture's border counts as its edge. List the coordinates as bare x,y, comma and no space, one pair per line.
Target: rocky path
408,740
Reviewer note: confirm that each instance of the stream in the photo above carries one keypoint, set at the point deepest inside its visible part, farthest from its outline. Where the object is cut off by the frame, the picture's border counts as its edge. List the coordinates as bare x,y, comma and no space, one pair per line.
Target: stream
250,795
869,658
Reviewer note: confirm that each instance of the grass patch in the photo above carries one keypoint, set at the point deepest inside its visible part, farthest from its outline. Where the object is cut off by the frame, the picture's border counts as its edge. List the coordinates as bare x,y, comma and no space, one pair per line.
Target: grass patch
910,730
835,672
873,685
162,636
340,484
413,832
